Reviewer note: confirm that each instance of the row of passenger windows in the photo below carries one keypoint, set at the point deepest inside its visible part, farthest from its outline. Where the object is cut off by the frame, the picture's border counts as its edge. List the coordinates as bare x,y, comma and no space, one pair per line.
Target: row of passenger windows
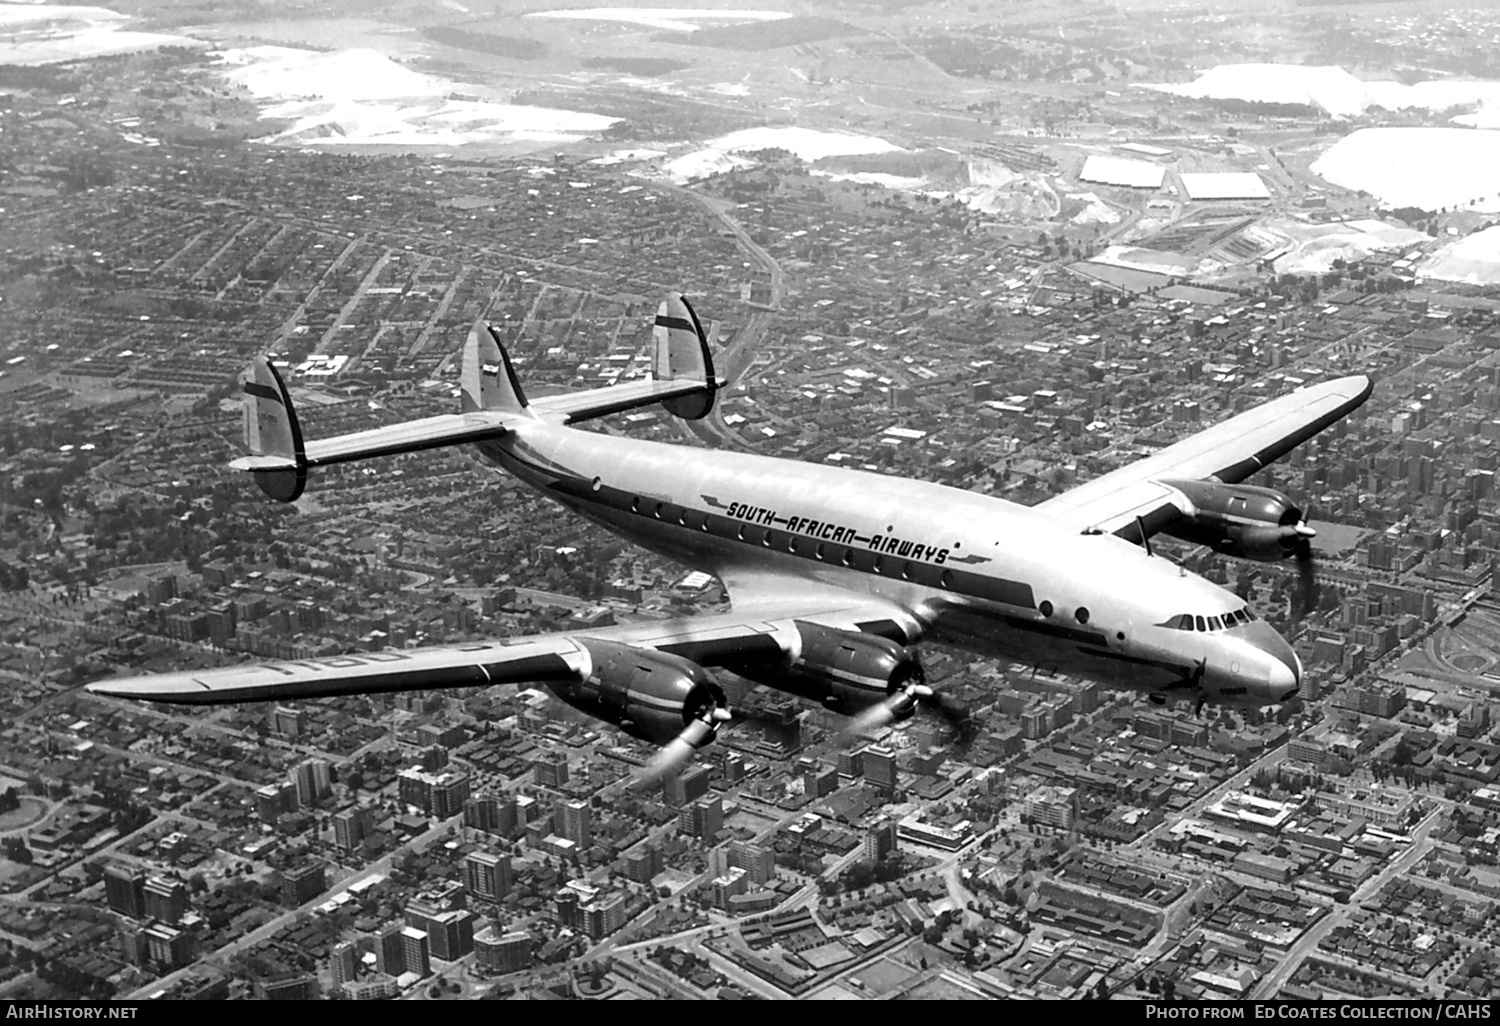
818,550
1194,622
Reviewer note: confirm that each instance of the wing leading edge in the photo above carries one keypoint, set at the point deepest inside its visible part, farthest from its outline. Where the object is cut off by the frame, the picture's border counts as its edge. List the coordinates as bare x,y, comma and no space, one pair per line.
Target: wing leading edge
1228,452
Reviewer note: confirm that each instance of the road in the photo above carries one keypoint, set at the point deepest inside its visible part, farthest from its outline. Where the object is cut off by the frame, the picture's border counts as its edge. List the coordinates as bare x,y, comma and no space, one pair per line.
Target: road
737,358
1271,985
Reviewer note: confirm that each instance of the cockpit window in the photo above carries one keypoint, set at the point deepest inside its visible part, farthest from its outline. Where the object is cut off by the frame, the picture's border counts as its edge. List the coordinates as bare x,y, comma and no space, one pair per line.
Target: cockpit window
1207,624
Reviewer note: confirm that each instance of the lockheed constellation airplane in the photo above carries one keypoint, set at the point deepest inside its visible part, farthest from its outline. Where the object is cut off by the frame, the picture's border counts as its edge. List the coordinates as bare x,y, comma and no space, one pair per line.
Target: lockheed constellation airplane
833,574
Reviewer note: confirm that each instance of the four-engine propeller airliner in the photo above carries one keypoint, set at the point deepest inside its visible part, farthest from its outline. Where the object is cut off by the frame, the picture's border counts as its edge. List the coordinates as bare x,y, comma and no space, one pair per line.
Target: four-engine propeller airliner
833,574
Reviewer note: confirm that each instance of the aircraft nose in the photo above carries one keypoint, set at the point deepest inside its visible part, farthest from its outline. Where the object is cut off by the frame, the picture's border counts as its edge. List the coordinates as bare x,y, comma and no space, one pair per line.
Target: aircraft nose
1285,678
1284,669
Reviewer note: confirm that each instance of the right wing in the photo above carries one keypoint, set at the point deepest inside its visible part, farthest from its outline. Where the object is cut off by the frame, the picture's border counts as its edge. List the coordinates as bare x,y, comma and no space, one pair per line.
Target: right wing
1140,493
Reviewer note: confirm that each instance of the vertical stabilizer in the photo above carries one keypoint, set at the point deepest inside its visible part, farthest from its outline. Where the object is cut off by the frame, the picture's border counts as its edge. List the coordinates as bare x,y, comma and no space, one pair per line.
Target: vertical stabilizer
681,353
488,380
271,430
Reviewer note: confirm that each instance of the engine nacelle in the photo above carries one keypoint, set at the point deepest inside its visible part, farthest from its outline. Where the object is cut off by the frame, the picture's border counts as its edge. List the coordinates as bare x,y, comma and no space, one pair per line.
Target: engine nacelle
649,695
846,670
1245,521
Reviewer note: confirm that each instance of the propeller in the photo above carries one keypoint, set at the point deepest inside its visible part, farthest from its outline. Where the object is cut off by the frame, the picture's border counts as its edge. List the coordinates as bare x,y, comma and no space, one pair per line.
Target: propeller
1298,542
700,730
900,704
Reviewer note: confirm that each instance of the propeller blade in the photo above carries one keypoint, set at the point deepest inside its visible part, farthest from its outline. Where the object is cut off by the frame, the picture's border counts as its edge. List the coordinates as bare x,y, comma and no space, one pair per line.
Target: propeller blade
676,752
1298,541
876,717
1307,578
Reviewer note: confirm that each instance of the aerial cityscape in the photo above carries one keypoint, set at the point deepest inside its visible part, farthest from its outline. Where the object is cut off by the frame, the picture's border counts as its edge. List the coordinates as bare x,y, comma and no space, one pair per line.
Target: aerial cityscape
1007,249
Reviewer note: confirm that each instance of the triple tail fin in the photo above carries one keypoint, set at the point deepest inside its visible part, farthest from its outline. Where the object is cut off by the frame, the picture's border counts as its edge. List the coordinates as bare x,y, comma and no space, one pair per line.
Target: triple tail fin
277,457
682,354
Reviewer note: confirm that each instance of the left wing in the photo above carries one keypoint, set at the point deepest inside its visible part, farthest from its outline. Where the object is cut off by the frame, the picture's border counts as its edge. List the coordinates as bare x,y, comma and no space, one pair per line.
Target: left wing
721,639
1228,452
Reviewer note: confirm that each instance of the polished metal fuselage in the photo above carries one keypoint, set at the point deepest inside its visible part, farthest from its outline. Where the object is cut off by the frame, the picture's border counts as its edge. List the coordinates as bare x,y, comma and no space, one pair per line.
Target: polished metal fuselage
975,571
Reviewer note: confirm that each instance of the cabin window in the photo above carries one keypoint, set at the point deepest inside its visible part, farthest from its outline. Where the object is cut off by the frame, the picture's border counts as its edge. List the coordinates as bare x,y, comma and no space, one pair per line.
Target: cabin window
598,483
945,579
1082,614
1045,608
820,551
657,511
635,504
766,541
847,558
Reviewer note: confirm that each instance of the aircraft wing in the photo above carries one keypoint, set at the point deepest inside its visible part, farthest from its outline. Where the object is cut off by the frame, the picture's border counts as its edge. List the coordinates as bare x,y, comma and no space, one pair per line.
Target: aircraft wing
1229,452
720,639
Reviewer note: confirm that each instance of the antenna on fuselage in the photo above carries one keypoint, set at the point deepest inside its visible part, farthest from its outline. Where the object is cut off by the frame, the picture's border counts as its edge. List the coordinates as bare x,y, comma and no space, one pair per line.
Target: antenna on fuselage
1140,525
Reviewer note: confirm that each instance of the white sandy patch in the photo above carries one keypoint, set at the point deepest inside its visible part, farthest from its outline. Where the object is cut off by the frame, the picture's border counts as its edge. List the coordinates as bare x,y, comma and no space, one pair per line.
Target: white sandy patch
809,144
1430,168
1096,210
995,189
703,164
288,73
1315,248
1475,260
626,156
1140,259
1330,88
361,97
875,178
672,19
32,34
1487,116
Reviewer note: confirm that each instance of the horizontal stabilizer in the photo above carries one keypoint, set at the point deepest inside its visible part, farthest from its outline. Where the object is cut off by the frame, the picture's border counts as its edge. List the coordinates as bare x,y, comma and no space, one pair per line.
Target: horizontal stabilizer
412,436
280,458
